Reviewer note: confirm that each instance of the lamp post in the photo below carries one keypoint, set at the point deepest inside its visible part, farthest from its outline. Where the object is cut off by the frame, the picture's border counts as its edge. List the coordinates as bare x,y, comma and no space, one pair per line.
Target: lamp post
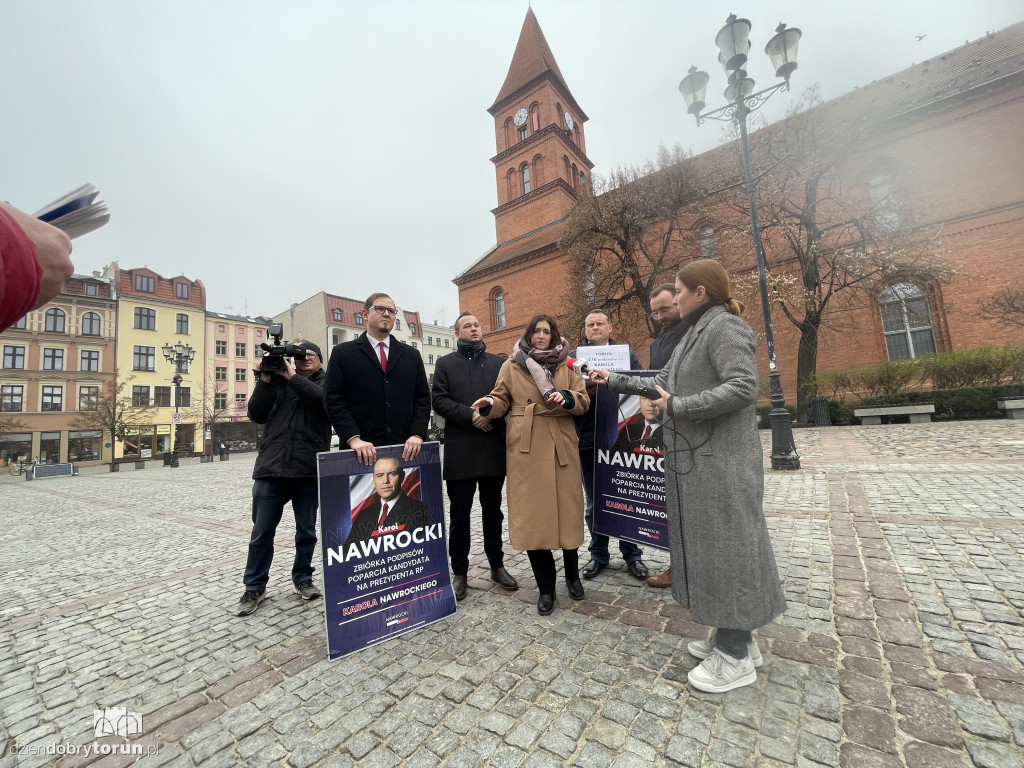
179,355
734,44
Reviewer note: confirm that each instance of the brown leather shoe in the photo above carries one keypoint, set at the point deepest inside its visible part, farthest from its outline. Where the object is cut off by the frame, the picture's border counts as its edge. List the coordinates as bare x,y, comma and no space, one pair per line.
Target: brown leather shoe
503,578
459,585
661,579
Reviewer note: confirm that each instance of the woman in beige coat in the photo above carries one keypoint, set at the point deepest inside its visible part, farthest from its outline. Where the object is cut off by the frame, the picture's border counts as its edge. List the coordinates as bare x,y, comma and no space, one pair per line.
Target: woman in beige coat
540,395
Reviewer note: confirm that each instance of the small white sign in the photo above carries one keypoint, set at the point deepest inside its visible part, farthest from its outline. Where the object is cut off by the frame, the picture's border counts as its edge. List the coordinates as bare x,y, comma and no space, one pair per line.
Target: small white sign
176,418
611,357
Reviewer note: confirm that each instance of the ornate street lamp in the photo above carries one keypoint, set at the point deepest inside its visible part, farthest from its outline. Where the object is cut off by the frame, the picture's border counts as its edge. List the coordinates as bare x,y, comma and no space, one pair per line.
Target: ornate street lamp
179,355
734,44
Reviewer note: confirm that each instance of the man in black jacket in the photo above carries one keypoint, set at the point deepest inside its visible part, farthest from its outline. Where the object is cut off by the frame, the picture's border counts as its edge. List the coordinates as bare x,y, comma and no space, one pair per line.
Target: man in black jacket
474,450
376,389
597,329
673,328
290,404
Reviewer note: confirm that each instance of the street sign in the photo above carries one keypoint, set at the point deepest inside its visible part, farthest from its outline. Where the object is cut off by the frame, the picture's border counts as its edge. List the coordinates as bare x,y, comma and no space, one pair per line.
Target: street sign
176,419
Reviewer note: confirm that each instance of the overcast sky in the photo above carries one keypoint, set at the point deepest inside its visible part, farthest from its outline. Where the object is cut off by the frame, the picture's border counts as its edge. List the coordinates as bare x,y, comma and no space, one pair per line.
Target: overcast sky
274,149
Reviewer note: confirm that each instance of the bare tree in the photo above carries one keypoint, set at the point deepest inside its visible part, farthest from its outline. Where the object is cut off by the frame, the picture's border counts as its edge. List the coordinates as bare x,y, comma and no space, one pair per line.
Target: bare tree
1006,305
212,407
10,425
831,241
626,235
112,411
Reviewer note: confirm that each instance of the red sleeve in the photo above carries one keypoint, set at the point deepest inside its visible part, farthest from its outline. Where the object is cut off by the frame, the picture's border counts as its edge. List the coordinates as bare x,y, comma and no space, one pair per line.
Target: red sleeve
20,272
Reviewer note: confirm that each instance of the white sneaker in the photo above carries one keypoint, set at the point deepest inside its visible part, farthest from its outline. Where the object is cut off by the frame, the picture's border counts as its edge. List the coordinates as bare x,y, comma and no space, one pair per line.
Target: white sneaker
720,672
704,648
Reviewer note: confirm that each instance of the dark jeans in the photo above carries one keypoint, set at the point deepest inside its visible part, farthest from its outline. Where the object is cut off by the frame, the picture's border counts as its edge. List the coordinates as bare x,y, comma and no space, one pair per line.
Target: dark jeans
733,642
269,495
598,541
543,564
460,502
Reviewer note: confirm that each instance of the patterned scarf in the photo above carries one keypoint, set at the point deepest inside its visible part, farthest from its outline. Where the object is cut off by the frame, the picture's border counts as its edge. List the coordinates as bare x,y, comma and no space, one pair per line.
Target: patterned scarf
540,363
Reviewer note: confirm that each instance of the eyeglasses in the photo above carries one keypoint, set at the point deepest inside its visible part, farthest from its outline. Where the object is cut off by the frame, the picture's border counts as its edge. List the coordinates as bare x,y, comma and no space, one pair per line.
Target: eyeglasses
384,310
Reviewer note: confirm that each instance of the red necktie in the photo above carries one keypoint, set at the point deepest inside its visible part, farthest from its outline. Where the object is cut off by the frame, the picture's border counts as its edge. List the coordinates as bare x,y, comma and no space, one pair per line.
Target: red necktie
383,357
647,434
383,514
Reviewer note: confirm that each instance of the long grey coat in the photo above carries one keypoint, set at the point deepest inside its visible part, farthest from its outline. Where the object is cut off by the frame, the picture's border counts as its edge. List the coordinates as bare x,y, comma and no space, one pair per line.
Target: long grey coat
723,566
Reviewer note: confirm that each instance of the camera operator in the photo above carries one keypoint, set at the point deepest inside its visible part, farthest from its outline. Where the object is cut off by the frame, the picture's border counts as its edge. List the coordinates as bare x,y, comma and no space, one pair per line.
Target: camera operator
291,405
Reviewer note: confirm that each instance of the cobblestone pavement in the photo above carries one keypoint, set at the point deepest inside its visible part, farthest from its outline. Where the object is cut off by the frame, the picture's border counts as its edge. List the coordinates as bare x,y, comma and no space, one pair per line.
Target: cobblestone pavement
901,549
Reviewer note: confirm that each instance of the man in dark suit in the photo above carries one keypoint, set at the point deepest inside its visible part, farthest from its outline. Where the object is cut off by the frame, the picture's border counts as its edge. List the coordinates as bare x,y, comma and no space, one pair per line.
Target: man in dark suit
597,329
376,389
642,435
474,450
393,511
672,327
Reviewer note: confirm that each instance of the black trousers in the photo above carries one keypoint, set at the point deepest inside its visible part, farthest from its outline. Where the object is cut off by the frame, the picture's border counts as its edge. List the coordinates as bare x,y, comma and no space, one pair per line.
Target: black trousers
460,502
733,642
543,564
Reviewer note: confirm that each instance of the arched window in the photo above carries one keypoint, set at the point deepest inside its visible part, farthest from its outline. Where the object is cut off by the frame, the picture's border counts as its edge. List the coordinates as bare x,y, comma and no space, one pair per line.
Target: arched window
535,116
510,180
575,176
497,308
589,287
54,320
510,133
583,180
524,171
568,168
90,324
536,165
906,321
707,242
337,315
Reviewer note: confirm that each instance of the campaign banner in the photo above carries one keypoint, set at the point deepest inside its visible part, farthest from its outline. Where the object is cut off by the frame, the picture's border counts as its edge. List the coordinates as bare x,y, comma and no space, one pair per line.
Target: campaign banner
385,558
629,468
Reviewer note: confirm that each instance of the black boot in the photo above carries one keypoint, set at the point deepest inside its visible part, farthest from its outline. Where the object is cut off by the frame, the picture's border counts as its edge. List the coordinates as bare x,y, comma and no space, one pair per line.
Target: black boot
546,603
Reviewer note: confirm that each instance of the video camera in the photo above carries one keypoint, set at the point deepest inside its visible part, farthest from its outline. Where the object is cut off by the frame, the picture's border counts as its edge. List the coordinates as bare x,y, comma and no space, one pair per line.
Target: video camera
273,361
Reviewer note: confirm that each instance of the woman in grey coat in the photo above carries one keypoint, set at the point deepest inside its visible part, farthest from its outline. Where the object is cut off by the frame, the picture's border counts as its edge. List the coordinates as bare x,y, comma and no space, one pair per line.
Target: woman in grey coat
723,566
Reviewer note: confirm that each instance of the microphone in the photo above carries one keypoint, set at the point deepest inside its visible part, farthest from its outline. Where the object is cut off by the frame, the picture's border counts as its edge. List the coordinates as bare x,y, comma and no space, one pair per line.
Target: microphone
633,385
578,366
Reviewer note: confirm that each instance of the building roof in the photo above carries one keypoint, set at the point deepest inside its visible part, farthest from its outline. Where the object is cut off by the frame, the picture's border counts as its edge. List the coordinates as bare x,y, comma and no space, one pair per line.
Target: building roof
516,247
532,59
976,63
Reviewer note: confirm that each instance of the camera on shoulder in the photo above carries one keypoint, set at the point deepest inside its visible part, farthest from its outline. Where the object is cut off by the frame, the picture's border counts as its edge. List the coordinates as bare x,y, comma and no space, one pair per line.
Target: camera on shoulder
273,361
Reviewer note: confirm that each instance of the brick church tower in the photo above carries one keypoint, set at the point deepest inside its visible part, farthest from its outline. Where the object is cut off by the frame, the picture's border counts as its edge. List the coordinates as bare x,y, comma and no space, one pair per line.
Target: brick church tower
541,161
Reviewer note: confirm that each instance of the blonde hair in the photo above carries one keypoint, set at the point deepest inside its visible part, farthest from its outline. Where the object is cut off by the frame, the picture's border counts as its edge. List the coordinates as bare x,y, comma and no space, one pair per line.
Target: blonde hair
715,279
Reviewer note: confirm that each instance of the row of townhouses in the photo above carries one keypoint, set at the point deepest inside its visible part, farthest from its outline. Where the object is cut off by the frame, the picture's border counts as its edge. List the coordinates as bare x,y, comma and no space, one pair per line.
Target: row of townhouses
136,342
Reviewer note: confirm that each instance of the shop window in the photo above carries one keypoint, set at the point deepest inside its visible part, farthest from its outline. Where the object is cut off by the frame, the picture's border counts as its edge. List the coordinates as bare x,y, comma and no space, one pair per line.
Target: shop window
49,447
85,446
